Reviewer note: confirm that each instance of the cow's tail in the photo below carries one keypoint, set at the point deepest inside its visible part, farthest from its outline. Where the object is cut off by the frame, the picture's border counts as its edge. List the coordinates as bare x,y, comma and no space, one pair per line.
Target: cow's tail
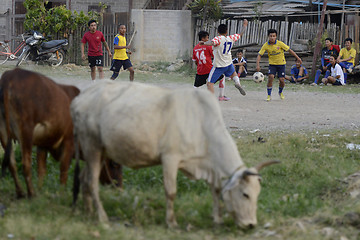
76,186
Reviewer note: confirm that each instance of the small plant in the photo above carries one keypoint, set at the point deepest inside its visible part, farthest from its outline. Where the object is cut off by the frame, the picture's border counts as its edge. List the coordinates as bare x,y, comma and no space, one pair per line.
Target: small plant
206,9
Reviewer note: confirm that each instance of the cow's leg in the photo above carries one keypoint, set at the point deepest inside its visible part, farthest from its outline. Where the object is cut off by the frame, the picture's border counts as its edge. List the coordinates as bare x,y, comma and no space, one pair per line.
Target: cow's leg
170,169
91,180
26,162
216,205
13,171
65,160
41,164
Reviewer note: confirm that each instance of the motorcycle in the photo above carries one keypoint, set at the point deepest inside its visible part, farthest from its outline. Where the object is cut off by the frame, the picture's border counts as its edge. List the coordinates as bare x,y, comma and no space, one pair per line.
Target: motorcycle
37,49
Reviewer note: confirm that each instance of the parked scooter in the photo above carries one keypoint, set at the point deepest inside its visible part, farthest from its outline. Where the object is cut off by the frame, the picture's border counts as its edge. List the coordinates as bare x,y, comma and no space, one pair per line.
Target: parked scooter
38,50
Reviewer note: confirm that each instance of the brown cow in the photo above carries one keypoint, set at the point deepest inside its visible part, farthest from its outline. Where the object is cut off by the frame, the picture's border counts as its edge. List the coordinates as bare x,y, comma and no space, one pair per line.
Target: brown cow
36,112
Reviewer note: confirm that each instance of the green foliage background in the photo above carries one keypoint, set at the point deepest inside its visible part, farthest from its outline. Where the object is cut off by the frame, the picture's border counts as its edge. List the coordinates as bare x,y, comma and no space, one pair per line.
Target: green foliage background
210,9
56,20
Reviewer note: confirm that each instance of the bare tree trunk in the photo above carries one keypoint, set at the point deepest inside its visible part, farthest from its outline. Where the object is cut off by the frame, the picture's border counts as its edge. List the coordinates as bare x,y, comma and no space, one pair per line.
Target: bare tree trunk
204,14
318,44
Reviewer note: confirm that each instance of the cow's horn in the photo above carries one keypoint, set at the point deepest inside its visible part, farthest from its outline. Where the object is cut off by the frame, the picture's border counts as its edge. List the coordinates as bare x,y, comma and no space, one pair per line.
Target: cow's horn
265,164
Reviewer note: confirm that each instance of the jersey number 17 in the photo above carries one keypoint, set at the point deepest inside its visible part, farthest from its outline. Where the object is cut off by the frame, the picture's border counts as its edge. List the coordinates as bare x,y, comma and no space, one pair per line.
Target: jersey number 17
229,44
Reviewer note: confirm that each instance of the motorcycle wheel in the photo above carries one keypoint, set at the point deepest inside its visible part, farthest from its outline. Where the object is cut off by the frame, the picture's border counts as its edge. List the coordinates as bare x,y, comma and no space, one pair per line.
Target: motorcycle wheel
57,59
23,58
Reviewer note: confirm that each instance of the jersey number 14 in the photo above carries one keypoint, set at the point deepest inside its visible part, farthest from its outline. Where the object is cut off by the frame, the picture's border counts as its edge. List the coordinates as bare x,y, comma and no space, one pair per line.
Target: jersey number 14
201,58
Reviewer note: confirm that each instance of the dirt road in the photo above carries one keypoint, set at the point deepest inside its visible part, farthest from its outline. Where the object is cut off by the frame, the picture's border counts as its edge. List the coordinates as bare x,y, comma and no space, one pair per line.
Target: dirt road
299,111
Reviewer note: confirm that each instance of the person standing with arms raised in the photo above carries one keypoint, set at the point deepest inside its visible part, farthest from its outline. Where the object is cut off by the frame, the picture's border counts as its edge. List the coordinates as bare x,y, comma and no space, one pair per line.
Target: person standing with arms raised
222,57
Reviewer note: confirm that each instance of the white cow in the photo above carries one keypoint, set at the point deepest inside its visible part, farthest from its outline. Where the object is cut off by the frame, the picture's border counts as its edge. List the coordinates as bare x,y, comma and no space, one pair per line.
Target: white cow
138,125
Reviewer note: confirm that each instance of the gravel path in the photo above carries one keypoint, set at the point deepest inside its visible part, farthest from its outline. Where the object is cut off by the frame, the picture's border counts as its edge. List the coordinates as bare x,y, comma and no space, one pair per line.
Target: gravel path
299,111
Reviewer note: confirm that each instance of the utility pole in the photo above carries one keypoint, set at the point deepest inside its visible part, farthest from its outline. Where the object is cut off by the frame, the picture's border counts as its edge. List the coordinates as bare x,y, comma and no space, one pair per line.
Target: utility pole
318,43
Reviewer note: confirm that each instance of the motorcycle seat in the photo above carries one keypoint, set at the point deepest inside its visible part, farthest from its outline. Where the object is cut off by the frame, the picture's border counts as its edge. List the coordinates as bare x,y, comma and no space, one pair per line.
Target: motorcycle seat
53,43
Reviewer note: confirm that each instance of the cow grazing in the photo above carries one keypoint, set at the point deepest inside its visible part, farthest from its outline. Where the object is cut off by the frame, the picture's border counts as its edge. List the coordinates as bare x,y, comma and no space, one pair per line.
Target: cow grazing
36,111
180,129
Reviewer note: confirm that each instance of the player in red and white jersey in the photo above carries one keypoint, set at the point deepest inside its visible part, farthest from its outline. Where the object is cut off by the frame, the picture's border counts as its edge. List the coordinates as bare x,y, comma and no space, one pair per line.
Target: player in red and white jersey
222,56
202,56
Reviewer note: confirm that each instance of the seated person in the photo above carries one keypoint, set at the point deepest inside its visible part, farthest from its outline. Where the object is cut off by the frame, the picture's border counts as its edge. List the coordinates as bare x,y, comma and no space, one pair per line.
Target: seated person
298,73
240,64
337,75
326,52
346,58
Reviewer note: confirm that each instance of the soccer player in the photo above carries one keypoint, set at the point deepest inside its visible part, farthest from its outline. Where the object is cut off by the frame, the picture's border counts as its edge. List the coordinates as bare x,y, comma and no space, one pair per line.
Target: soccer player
222,57
346,57
326,52
275,50
298,73
120,56
202,56
337,75
240,64
94,39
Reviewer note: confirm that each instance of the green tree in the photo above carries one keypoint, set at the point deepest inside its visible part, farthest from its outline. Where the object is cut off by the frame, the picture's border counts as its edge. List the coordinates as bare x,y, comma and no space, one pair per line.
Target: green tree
56,20
206,9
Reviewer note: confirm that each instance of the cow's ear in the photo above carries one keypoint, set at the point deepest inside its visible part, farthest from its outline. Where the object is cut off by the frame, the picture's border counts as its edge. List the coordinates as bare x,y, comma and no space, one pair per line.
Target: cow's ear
233,181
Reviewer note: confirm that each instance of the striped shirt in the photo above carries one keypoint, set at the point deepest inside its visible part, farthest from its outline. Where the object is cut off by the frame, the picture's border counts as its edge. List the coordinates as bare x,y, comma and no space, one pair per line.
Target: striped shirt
222,49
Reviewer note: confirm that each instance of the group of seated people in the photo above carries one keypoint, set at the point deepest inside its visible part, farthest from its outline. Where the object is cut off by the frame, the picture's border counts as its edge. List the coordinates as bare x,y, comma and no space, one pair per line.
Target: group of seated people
335,65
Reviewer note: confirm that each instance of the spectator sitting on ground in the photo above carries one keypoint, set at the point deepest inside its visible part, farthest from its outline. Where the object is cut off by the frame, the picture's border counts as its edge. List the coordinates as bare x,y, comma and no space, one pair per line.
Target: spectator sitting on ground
326,52
298,73
240,64
337,75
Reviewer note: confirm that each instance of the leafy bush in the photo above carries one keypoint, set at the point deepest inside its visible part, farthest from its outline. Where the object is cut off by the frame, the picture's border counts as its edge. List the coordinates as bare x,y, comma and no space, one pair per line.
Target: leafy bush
210,9
56,20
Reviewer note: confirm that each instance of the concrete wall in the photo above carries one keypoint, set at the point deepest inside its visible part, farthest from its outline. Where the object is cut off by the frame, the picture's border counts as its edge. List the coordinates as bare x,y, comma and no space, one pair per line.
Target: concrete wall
4,6
162,35
115,5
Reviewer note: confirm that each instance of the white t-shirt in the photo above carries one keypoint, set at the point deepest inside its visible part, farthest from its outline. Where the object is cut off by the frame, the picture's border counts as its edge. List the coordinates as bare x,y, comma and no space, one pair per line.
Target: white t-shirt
222,49
338,71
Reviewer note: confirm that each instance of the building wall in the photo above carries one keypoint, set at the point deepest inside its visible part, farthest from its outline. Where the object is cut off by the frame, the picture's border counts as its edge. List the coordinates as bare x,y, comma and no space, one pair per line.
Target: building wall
4,6
162,35
115,5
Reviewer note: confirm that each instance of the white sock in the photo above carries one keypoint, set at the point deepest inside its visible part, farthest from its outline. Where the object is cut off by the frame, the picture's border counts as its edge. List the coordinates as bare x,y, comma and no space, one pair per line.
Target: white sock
236,80
222,87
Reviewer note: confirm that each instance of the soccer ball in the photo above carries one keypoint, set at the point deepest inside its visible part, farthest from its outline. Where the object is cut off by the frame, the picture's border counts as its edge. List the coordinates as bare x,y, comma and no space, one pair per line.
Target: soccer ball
258,77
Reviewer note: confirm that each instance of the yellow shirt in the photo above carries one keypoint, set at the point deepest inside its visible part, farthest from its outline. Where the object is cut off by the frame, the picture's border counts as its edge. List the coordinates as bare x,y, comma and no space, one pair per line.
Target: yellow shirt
120,54
275,52
344,54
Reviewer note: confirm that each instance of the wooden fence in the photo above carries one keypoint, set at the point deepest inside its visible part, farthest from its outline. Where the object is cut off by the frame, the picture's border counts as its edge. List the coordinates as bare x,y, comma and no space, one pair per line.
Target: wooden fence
256,31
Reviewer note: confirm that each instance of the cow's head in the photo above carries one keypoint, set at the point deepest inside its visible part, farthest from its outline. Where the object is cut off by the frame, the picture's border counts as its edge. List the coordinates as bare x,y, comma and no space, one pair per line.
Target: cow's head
241,192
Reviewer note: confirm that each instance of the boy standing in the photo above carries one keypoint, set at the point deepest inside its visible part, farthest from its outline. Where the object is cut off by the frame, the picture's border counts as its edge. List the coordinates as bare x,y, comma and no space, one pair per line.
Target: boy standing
337,75
346,57
298,73
240,64
222,57
120,56
275,50
202,56
94,39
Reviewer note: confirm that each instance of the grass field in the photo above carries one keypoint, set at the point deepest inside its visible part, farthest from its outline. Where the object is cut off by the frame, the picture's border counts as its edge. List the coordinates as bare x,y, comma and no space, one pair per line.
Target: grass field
304,197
